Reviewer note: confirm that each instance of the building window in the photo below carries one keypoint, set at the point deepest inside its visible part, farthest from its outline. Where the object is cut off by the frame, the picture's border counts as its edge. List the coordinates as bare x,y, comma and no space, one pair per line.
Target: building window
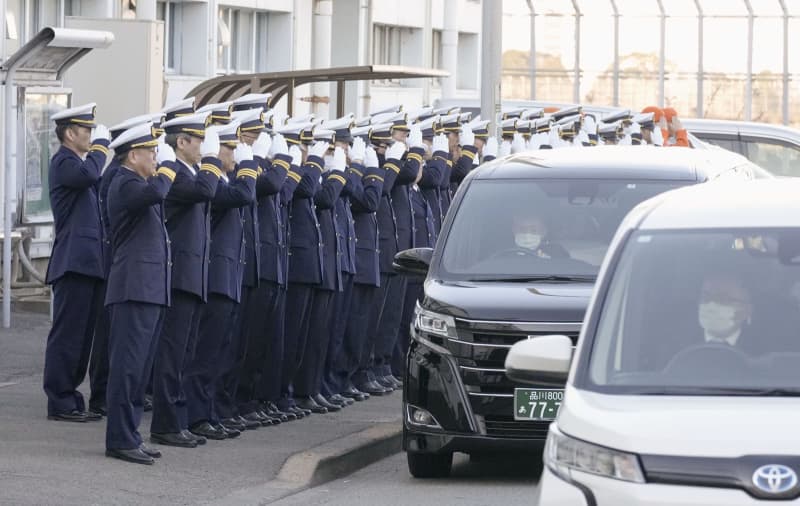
386,45
468,57
170,13
241,40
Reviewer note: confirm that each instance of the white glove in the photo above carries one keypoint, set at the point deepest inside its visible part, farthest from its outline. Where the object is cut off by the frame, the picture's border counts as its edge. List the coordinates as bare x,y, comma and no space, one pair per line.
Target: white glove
164,153
396,151
635,128
242,152
262,145
658,137
100,133
440,143
518,144
296,154
466,138
357,150
490,148
505,149
415,137
339,162
589,125
625,140
318,149
279,146
210,145
371,158
582,138
553,138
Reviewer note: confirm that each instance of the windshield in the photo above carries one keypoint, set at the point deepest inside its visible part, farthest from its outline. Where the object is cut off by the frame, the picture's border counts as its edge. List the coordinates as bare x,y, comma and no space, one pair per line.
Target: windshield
701,312
522,229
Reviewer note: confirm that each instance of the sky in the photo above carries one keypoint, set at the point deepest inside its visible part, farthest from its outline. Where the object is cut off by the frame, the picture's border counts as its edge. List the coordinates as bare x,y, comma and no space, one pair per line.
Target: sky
725,39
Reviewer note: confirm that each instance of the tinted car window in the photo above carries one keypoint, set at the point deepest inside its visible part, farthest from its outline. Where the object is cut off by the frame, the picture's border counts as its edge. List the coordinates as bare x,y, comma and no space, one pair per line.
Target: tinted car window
729,144
528,228
693,310
779,158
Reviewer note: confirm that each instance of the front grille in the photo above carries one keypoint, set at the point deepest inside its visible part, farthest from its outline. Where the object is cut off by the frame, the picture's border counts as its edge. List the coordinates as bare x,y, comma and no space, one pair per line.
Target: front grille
507,427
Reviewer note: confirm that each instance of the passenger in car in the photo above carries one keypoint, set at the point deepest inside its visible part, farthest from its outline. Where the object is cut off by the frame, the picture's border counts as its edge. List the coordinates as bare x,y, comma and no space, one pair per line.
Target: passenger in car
531,233
725,312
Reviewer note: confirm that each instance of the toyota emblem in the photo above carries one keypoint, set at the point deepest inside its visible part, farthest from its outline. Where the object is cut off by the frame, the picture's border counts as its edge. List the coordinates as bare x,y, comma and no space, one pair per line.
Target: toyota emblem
774,478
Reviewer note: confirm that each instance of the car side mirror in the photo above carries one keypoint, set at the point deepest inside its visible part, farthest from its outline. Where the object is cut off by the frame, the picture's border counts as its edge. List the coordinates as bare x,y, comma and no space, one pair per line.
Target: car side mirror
541,360
414,261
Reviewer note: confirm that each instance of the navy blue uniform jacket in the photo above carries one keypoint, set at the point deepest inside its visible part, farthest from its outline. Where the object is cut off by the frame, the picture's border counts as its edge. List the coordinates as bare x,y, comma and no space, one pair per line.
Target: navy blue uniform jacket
105,184
140,270
293,178
425,236
187,209
444,189
463,166
364,203
325,201
430,184
401,202
305,241
270,222
78,245
345,226
231,201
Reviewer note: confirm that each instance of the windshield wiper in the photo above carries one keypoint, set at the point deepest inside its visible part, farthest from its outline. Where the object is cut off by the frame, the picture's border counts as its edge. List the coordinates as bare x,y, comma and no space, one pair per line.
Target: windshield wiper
528,279
722,391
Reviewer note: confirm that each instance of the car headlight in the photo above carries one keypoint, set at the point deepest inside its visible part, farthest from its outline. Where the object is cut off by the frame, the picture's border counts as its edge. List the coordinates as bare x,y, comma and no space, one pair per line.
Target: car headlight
434,323
563,453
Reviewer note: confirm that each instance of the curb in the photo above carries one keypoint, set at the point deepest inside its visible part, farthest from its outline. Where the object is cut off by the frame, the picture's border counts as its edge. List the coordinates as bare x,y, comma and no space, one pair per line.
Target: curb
321,464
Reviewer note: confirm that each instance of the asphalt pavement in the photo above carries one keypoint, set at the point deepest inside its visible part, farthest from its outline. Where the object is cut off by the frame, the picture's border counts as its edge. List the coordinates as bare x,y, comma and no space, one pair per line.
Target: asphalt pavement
45,462
506,480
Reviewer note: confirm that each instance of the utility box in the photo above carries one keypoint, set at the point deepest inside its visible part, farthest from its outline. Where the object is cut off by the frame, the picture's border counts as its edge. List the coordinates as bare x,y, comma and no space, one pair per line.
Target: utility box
126,80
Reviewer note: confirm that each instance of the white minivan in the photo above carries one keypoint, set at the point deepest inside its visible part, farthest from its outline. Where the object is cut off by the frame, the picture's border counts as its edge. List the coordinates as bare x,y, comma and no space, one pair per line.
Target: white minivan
684,388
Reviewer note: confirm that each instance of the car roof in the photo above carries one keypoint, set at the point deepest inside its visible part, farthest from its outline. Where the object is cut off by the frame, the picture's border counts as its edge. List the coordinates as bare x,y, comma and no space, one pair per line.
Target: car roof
741,127
724,204
611,162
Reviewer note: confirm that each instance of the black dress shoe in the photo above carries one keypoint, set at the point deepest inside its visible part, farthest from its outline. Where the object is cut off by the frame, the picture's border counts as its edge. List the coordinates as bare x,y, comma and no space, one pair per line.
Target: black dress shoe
372,388
136,456
322,401
148,403
72,416
230,433
93,417
339,399
269,419
98,410
200,440
385,382
398,379
248,424
173,439
272,410
234,424
209,431
150,451
310,404
253,418
355,394
299,413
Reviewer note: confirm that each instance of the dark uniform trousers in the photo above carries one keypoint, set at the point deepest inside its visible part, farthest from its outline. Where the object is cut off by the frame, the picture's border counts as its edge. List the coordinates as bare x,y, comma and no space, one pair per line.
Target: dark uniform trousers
175,351
77,301
388,325
307,381
299,297
358,345
76,270
135,329
98,362
234,357
261,345
203,372
268,385
331,383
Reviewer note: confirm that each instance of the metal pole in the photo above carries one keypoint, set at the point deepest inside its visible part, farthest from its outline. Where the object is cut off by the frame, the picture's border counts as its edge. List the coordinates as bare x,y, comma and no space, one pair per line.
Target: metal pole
662,53
785,101
748,87
532,49
7,194
427,50
491,26
615,77
576,90
699,59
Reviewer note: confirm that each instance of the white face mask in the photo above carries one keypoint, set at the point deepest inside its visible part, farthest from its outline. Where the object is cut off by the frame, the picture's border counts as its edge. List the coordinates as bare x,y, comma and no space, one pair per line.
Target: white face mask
527,240
717,319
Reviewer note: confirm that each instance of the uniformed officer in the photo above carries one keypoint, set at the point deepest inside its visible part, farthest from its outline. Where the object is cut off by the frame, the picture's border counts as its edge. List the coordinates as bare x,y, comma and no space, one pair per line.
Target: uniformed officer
76,269
436,156
98,365
251,125
138,284
179,109
215,350
354,362
308,380
187,218
261,371
305,264
609,133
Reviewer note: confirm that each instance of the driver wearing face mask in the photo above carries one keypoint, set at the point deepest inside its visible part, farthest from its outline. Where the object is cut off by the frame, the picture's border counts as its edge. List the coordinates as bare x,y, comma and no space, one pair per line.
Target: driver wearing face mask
531,235
724,310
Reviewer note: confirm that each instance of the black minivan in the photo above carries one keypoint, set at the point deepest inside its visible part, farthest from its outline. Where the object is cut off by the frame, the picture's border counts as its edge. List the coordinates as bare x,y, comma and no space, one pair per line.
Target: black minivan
517,258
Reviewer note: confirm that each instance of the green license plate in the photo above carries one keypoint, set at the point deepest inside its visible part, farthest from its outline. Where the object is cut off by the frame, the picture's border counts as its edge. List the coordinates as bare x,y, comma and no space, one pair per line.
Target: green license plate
537,403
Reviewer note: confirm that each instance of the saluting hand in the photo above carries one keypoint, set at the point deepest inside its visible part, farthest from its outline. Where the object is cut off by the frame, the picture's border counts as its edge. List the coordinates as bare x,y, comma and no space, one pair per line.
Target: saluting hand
242,153
490,148
371,158
339,162
415,137
262,145
296,154
505,149
210,144
164,153
396,150
358,150
518,144
440,143
100,132
318,149
279,146
466,138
